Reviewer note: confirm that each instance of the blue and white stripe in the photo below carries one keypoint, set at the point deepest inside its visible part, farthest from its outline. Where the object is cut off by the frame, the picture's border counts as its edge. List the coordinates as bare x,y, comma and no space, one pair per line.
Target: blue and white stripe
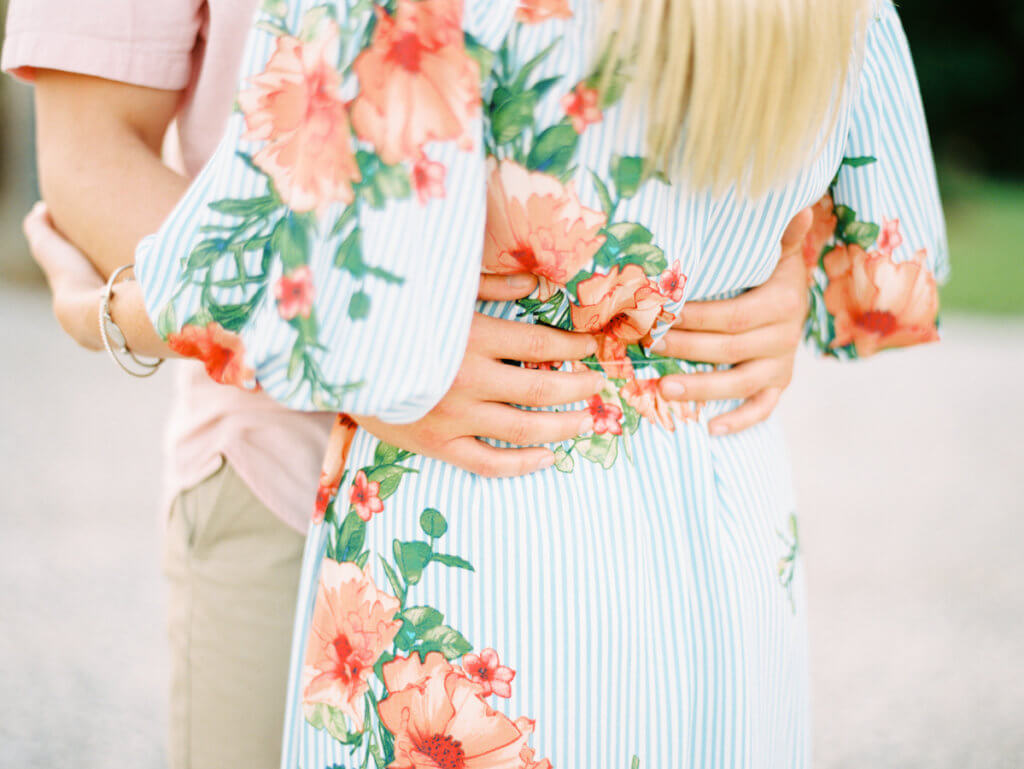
641,606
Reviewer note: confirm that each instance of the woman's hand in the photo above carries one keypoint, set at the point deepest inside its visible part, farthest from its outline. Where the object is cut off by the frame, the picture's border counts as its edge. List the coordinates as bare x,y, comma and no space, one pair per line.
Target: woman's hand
75,284
478,402
758,332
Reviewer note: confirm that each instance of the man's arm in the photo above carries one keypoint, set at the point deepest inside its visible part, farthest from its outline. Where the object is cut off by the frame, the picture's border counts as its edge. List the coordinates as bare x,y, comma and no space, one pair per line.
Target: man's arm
100,170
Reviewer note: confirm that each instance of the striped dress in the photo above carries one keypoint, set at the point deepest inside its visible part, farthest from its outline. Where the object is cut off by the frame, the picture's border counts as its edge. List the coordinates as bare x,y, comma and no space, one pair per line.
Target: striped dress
640,603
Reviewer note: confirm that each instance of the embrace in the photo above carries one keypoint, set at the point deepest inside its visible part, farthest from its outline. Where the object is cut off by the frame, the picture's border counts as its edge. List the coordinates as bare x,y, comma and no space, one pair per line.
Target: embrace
489,305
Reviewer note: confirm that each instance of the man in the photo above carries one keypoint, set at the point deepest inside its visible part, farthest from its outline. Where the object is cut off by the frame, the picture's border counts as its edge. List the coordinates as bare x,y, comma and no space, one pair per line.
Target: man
119,82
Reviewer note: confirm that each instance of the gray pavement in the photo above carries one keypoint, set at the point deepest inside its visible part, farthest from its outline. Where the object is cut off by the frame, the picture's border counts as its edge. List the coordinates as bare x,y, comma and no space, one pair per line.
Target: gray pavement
910,471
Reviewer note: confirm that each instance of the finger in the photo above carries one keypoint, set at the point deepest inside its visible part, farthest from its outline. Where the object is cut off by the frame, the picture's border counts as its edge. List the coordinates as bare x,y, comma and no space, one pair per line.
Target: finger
528,342
37,228
477,457
797,229
782,297
59,259
528,428
713,347
530,387
505,288
741,381
755,409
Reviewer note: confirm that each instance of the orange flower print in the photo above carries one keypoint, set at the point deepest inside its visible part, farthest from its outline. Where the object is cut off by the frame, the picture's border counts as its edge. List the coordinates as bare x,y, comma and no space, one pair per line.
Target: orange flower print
611,354
440,720
537,11
537,225
877,303
547,365
672,282
295,106
220,350
417,82
889,239
581,105
333,466
624,304
645,396
294,293
607,416
364,496
526,756
353,623
486,669
823,225
428,180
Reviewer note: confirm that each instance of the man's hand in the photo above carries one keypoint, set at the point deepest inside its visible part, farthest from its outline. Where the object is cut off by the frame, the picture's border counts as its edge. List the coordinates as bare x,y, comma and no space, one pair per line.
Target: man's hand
77,289
758,332
75,284
477,403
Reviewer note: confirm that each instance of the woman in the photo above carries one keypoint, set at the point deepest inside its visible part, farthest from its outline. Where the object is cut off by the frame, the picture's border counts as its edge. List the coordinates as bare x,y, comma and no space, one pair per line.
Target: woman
607,610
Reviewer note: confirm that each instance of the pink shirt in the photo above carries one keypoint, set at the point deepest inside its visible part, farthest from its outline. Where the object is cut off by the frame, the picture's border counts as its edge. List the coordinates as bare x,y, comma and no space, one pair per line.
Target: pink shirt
193,45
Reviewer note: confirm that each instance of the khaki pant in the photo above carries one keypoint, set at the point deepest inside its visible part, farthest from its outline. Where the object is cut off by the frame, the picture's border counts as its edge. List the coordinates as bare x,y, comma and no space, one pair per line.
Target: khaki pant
233,569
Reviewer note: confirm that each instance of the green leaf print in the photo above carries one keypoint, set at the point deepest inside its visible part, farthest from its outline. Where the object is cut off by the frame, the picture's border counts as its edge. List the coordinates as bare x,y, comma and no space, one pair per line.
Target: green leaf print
385,454
433,523
422,618
513,117
483,56
857,162
628,174
388,477
351,536
528,68
396,583
554,149
167,322
600,449
650,257
206,253
448,641
359,306
564,462
863,234
291,240
603,195
247,208
453,561
411,558
629,233
322,716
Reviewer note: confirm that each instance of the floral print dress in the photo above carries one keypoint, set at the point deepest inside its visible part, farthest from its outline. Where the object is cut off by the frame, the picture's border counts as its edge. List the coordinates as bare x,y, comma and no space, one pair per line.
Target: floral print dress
641,602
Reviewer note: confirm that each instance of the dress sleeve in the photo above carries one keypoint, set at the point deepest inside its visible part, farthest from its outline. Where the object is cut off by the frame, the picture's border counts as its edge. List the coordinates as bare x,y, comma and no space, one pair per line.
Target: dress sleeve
878,244
329,253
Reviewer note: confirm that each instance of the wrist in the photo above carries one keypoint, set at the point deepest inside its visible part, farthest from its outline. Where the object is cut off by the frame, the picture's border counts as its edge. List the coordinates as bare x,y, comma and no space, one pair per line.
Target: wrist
88,322
78,315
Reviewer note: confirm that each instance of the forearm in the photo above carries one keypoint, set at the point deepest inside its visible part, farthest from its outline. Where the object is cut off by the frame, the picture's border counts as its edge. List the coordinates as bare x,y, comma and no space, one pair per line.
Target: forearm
100,169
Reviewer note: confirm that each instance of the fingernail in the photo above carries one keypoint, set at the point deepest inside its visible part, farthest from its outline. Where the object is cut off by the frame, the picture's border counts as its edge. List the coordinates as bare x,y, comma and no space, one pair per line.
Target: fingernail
659,346
519,281
672,389
718,429
586,426
545,463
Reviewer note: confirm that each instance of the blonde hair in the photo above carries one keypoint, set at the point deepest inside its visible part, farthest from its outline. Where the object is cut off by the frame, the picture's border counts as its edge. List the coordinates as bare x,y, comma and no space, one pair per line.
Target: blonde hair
739,91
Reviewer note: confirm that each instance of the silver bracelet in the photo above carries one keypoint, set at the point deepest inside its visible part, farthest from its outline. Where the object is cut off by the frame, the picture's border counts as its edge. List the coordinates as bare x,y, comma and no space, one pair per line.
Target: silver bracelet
109,328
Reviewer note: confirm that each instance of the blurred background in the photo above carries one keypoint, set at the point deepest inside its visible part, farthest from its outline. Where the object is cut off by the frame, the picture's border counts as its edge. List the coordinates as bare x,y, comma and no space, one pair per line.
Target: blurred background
908,469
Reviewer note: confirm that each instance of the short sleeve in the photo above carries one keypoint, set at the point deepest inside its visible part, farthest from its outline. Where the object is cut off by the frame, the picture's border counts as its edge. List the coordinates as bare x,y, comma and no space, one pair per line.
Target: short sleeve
878,244
329,253
140,42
